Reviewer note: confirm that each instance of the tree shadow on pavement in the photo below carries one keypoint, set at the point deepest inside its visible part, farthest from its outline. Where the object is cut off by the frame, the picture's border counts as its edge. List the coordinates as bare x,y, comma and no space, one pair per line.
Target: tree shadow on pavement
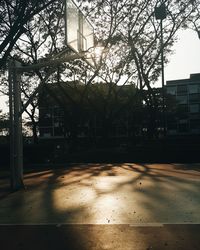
192,166
103,194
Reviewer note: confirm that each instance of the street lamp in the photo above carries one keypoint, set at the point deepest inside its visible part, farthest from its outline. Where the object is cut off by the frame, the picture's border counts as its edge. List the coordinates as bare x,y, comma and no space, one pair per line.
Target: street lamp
160,14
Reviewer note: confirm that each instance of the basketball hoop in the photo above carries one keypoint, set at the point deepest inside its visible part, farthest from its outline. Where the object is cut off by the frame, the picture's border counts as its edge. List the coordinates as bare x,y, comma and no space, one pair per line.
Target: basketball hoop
79,32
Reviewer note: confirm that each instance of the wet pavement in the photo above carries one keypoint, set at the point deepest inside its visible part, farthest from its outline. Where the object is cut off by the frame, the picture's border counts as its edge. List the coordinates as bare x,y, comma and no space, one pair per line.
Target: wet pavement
105,206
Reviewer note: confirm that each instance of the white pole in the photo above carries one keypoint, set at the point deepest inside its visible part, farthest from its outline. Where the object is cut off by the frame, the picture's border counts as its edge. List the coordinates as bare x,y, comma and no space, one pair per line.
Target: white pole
16,144
11,121
18,130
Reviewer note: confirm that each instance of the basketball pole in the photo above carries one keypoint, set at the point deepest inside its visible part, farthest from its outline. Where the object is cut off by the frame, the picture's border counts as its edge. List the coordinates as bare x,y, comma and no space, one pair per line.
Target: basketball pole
15,69
15,133
15,104
11,122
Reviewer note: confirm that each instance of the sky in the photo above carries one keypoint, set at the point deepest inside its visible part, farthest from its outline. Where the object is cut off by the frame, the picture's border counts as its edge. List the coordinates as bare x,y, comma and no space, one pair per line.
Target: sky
184,61
186,57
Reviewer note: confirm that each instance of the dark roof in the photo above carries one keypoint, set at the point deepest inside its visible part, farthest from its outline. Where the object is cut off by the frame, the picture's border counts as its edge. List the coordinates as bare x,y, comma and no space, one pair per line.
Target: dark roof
194,78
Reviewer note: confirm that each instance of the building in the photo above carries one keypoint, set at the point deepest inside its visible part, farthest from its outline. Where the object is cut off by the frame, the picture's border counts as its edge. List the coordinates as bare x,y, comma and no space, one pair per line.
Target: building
51,122
104,110
183,106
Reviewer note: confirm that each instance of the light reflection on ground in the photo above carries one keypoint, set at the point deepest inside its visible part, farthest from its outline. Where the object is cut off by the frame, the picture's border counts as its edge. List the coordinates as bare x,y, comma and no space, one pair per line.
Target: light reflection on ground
107,193
64,199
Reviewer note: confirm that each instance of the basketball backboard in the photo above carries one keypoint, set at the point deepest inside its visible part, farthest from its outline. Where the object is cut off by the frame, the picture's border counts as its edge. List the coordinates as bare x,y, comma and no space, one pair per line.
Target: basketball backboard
79,31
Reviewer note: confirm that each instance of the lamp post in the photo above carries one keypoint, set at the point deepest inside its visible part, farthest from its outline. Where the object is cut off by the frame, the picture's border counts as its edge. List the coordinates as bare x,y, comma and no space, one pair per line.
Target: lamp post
160,14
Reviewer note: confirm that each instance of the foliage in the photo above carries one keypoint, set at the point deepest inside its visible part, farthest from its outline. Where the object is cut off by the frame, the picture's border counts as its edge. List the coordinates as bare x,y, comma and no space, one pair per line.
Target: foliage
127,30
14,16
4,123
39,40
131,34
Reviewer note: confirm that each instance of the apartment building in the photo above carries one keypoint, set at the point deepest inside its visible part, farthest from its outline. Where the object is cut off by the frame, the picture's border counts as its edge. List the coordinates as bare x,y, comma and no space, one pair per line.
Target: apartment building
85,119
183,106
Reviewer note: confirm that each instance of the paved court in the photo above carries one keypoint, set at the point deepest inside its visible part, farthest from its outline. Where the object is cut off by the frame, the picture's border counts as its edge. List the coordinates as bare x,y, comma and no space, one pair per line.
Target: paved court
98,201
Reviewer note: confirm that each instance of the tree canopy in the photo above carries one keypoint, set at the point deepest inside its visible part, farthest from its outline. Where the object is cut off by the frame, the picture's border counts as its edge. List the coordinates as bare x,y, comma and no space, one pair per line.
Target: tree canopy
131,34
127,30
14,15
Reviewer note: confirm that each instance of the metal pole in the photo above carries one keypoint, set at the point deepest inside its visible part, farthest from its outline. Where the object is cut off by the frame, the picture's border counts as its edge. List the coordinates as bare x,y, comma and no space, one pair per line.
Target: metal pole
15,109
11,125
16,145
163,79
160,14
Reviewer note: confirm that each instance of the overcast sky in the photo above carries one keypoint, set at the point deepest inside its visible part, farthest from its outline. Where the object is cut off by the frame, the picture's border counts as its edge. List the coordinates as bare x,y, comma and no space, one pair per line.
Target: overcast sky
184,61
186,57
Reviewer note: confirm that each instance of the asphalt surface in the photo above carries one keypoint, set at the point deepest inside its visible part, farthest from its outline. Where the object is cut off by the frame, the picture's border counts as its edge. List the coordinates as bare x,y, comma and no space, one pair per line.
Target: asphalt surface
104,206
95,237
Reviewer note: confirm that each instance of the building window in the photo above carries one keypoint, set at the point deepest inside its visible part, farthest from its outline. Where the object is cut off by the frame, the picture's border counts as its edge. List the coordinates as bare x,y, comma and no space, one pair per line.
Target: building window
194,108
58,112
195,124
182,111
193,89
182,108
172,125
194,98
183,126
58,131
182,90
182,99
46,131
171,90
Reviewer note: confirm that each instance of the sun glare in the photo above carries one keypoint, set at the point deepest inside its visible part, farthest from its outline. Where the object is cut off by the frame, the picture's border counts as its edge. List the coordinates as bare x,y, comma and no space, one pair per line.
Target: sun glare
98,52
